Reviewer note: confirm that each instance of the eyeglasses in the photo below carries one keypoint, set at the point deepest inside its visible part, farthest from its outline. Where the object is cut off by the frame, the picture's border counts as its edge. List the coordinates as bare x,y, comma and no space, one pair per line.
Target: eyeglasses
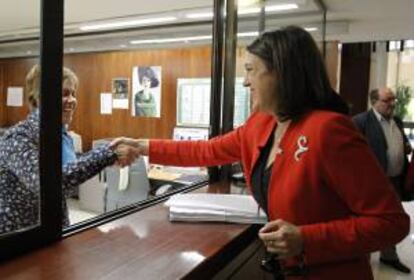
389,100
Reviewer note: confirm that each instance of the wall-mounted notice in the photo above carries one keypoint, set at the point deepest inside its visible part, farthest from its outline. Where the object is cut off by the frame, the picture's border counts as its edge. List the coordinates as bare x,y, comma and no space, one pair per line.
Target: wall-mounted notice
106,103
15,96
120,89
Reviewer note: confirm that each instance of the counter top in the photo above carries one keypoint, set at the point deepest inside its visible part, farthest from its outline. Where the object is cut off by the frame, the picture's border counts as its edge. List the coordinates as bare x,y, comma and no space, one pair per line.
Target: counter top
143,245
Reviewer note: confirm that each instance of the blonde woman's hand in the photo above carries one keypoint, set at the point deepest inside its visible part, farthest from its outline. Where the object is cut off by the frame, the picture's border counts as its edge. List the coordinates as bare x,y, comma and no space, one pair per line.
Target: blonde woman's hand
140,144
282,238
123,140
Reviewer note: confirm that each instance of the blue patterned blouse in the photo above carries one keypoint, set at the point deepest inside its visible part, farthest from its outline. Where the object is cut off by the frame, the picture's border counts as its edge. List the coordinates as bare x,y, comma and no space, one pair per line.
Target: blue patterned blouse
19,174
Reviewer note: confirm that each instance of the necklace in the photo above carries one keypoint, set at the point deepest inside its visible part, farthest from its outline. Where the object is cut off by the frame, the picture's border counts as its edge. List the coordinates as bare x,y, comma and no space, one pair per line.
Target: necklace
278,136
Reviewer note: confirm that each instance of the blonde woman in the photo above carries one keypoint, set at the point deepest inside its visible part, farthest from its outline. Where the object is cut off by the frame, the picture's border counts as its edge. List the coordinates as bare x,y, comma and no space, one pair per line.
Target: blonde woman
19,158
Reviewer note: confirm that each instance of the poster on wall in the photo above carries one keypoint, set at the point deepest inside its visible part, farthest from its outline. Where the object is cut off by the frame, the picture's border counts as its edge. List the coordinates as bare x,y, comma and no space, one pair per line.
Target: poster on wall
106,103
146,89
15,96
120,89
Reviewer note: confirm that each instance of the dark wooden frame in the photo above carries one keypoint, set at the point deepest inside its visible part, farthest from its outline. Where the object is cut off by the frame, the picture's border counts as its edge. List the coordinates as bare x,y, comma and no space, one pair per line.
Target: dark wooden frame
49,228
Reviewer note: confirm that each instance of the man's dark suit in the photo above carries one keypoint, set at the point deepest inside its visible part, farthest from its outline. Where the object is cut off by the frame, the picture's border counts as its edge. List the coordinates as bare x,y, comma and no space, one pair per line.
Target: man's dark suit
369,125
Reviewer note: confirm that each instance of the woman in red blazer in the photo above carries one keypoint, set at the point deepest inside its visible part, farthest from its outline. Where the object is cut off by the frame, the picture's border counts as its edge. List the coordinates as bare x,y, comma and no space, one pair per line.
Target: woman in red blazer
328,202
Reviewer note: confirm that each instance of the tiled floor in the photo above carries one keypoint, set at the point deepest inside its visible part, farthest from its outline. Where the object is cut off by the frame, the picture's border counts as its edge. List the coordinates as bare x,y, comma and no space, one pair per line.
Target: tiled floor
405,251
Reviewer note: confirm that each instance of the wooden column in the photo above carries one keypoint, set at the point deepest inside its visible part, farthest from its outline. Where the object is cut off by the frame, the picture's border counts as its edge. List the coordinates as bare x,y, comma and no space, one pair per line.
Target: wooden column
355,70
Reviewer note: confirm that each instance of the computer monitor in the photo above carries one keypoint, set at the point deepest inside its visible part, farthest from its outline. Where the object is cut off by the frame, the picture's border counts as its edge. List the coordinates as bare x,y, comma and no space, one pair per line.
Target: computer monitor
190,133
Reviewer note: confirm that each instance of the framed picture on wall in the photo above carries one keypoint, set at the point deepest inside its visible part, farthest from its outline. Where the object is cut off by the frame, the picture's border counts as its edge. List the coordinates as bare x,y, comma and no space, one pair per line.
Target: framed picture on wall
146,89
120,90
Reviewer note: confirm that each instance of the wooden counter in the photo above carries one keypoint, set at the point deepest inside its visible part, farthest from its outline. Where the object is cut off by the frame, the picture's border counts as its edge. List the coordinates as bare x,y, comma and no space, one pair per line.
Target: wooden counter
143,245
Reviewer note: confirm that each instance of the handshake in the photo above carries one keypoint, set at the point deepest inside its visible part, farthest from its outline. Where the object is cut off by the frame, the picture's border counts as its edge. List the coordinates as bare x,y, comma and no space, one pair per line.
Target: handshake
128,150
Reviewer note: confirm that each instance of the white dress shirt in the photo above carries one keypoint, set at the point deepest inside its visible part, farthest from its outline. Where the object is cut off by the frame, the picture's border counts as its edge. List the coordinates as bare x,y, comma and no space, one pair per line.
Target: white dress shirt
395,144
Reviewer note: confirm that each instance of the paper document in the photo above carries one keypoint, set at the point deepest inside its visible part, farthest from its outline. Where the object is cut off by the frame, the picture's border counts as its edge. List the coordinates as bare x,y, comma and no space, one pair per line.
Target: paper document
201,207
123,178
161,175
15,96
106,103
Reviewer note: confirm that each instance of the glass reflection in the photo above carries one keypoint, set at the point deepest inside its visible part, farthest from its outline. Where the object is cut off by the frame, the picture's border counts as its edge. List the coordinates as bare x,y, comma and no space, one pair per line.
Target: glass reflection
19,130
129,76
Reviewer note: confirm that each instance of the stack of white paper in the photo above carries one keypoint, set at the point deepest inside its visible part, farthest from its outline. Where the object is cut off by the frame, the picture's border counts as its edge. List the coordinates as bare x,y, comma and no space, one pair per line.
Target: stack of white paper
203,207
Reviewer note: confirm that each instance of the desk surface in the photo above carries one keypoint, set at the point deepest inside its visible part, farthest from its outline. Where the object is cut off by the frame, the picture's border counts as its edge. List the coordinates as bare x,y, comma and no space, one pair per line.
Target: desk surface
143,245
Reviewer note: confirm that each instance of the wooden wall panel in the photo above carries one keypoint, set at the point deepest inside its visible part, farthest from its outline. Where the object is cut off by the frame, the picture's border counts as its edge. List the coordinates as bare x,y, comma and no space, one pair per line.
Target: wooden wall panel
331,62
355,75
14,73
96,71
2,94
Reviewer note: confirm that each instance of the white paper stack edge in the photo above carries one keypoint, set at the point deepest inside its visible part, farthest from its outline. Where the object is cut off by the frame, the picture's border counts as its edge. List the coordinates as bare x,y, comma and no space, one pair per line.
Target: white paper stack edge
202,207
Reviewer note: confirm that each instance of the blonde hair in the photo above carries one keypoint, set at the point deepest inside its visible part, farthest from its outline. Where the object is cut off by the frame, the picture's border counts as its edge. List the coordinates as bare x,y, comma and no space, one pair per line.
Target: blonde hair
33,84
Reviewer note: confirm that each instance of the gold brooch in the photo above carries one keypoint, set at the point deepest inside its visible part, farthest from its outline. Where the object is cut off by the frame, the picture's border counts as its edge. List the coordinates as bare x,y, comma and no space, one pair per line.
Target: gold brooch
302,147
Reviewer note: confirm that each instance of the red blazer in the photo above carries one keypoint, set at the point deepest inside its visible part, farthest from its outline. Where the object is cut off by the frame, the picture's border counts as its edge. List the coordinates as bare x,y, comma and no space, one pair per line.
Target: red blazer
409,179
334,188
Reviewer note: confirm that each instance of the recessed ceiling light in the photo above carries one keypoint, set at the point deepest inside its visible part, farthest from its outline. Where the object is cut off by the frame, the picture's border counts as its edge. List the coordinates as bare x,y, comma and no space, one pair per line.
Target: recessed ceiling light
187,39
171,40
200,15
311,29
119,24
281,7
248,11
248,34
122,46
272,8
244,3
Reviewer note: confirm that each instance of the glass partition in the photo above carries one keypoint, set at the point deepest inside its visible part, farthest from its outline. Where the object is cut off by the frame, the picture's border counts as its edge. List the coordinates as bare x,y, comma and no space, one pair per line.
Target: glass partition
256,18
400,62
141,71
20,194
130,61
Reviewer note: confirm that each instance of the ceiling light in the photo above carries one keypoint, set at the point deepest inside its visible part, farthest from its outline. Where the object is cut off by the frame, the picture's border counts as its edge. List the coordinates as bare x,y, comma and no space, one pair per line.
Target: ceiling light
281,7
244,3
273,8
171,40
249,11
248,34
311,29
200,15
187,39
128,23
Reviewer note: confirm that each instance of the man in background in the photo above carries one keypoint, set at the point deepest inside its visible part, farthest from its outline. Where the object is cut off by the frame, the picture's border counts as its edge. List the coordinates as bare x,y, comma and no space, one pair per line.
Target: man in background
385,135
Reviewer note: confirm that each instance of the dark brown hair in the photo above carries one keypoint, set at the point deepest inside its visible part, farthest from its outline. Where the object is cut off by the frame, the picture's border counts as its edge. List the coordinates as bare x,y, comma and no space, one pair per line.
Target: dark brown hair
302,80
150,74
374,95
